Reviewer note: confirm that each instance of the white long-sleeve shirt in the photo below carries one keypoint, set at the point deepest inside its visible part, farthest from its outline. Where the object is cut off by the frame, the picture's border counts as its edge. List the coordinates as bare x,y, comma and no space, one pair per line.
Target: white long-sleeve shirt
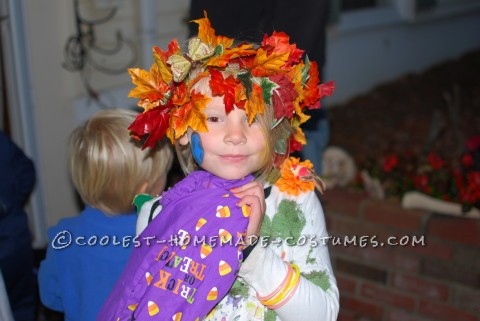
293,231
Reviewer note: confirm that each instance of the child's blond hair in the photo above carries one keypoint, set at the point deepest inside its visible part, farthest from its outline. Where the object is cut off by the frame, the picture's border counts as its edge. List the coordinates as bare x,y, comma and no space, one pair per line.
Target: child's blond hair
108,167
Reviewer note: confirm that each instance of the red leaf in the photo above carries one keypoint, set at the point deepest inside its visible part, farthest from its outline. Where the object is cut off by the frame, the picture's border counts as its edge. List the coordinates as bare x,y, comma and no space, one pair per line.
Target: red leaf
153,123
223,87
283,96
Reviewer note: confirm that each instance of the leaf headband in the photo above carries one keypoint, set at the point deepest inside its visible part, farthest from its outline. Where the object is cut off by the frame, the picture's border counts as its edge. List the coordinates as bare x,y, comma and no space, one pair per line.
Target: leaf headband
271,74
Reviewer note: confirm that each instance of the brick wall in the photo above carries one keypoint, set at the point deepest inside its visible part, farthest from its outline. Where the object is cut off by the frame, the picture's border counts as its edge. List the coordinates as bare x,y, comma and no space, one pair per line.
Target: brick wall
437,281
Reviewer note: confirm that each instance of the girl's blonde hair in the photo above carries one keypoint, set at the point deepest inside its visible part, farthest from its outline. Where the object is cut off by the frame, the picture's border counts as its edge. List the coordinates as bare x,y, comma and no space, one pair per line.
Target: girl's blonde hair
273,136
108,167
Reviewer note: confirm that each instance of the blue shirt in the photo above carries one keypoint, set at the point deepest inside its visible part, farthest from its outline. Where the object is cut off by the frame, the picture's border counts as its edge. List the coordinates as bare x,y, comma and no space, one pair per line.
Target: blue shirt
85,256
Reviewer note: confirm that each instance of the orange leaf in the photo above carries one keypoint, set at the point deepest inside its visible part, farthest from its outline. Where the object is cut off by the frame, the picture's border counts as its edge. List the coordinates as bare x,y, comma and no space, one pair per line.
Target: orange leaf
150,84
228,54
207,34
255,104
190,115
266,65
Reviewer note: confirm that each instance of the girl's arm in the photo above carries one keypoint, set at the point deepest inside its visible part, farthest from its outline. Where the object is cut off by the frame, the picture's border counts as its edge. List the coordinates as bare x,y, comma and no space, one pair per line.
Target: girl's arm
317,296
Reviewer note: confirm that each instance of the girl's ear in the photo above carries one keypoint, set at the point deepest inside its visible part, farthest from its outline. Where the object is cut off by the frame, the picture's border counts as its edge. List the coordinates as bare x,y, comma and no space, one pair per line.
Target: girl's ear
184,140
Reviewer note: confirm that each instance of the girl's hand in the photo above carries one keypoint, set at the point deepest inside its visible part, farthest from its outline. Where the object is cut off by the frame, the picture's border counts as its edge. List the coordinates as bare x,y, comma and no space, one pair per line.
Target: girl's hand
252,194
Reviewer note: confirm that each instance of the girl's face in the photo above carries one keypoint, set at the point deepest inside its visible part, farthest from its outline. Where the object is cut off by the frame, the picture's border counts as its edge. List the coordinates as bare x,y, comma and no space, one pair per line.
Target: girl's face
232,148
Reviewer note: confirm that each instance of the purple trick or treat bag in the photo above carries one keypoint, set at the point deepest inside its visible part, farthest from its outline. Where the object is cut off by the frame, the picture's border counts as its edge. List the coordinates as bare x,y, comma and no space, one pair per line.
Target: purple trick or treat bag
193,255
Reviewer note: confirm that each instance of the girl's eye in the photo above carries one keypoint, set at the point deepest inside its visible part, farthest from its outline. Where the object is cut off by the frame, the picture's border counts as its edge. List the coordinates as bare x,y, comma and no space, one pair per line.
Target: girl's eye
213,119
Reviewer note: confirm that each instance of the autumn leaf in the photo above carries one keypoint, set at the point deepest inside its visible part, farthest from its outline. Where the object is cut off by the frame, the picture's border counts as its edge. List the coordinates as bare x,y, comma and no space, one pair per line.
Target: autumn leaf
150,84
223,87
279,42
255,104
267,87
326,89
160,57
266,65
163,69
283,96
221,60
153,123
190,115
207,34
310,91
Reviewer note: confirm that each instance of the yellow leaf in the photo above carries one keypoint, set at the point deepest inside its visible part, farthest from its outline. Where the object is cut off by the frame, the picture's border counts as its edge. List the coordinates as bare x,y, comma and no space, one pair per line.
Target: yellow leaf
265,65
207,34
164,71
223,59
255,104
190,115
150,84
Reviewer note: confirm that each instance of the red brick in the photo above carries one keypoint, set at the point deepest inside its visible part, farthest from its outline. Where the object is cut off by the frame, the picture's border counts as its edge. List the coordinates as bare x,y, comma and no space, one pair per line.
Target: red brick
350,228
346,316
399,315
361,308
463,230
432,248
390,258
343,202
360,270
385,295
467,300
423,287
345,284
391,214
444,312
460,273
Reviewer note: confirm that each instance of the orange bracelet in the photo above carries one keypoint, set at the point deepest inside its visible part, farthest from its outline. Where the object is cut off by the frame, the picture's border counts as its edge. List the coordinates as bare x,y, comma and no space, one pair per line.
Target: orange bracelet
285,290
284,282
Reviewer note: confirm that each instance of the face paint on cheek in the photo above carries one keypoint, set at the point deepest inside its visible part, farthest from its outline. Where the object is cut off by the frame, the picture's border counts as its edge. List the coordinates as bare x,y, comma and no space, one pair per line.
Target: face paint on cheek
197,148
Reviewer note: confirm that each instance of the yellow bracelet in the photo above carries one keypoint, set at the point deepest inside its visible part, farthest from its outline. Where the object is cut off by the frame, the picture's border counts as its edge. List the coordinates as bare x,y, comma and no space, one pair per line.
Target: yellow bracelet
287,289
285,281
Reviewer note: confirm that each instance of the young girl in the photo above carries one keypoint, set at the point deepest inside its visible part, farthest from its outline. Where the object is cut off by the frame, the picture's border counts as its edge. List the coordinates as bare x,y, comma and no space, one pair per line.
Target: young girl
87,253
234,111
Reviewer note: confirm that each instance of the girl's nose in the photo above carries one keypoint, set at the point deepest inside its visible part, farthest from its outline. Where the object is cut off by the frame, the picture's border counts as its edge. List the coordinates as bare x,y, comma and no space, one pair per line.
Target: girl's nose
235,134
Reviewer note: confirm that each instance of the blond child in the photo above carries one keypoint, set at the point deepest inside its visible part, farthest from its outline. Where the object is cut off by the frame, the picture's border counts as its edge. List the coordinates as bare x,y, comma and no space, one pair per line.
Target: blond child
87,253
234,112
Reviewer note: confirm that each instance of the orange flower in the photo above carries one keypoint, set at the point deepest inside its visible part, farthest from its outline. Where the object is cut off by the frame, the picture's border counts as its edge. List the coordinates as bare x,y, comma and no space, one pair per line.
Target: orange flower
295,176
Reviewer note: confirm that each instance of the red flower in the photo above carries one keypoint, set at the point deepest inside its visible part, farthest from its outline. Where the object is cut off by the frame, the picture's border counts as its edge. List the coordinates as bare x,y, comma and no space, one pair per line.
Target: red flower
435,161
467,160
421,183
473,143
389,163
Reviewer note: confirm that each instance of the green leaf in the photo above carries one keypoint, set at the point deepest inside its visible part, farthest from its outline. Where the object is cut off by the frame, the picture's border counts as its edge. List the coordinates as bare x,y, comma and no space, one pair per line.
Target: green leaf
267,88
319,278
305,71
289,221
218,50
246,80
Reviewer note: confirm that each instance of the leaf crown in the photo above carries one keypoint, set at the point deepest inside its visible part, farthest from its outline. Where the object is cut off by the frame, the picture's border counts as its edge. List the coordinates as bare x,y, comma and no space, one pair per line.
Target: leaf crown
272,73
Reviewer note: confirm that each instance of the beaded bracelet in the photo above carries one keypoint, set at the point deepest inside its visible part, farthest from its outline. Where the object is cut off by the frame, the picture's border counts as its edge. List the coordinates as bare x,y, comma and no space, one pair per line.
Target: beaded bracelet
286,289
288,276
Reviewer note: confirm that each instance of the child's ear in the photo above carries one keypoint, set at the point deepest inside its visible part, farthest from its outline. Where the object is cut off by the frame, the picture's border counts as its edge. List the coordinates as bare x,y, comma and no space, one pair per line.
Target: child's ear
183,140
143,188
